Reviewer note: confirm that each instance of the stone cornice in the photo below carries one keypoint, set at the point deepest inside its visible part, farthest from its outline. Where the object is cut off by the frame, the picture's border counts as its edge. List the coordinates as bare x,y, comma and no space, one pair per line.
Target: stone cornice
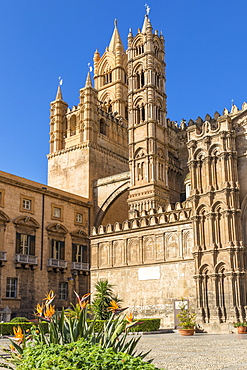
20,182
88,146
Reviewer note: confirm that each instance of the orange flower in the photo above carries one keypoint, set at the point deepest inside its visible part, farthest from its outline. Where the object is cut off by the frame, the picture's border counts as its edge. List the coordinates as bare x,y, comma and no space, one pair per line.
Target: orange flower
11,347
49,311
18,334
114,306
49,297
81,300
39,309
129,317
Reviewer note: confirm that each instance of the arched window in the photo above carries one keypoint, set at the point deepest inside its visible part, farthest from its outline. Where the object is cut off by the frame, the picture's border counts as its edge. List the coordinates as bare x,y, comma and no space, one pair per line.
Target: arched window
102,125
73,125
139,49
143,113
142,79
158,113
221,292
138,115
126,112
107,78
156,50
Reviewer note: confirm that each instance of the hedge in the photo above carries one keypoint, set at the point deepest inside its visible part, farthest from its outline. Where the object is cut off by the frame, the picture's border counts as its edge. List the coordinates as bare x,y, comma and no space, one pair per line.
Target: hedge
79,355
6,328
19,319
147,325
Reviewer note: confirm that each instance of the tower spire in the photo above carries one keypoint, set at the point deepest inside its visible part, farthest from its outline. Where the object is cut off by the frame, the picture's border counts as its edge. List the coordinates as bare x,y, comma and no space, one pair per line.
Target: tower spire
88,80
59,95
115,39
146,19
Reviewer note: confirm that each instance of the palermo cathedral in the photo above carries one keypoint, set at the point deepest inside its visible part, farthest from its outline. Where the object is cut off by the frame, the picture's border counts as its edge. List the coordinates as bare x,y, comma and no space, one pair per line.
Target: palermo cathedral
157,208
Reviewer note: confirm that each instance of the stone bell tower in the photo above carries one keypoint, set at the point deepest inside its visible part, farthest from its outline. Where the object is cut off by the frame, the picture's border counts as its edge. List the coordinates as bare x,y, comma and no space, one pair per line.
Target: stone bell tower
148,154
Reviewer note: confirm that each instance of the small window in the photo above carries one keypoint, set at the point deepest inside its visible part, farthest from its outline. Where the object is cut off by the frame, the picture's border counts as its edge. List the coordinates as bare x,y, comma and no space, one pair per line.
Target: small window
79,253
11,288
25,244
63,291
1,198
57,249
78,218
102,128
56,212
26,204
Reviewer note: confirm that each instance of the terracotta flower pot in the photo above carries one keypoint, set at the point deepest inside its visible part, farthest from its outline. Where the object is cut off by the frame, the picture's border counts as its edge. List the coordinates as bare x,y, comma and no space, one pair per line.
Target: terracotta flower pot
186,332
242,330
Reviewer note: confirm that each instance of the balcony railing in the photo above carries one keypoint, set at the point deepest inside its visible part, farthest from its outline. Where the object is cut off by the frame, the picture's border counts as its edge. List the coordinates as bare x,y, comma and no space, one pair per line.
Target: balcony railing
3,256
26,258
80,266
53,262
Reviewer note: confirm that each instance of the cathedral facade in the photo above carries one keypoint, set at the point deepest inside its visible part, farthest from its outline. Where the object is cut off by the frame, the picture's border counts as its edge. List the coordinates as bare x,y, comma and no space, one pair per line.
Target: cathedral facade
168,201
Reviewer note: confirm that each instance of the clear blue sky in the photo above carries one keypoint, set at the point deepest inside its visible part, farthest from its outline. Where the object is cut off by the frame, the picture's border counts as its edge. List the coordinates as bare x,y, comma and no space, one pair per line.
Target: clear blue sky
40,40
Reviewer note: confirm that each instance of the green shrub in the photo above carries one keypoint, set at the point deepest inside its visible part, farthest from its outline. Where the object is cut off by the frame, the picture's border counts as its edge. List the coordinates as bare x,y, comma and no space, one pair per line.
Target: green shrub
147,325
6,328
19,319
79,355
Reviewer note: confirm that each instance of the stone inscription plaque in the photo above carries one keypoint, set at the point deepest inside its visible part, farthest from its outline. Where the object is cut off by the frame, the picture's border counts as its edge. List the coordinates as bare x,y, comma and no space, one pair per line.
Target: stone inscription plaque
149,273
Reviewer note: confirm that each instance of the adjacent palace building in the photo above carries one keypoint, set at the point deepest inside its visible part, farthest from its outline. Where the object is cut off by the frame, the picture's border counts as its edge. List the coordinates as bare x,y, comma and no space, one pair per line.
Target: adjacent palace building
157,208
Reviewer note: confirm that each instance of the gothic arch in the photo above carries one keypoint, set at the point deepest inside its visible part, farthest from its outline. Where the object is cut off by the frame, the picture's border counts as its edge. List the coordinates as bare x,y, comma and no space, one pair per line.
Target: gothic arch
199,154
107,96
215,149
138,44
220,266
138,67
218,204
201,208
138,101
106,64
109,201
140,153
206,267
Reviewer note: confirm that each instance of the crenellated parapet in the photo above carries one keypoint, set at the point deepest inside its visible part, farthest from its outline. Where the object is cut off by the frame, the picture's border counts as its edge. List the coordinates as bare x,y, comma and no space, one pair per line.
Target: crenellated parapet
170,214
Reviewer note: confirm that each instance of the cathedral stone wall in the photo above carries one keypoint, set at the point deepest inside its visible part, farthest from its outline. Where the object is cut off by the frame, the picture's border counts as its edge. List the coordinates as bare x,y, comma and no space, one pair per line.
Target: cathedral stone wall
149,261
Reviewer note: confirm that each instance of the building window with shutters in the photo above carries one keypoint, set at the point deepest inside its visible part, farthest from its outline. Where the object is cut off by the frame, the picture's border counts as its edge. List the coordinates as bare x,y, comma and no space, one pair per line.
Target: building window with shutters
63,291
56,212
11,287
27,204
79,253
25,244
78,218
1,197
57,249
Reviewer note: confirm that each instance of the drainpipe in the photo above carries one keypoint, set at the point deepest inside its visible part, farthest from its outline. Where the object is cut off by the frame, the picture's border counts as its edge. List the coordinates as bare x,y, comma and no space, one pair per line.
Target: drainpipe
42,229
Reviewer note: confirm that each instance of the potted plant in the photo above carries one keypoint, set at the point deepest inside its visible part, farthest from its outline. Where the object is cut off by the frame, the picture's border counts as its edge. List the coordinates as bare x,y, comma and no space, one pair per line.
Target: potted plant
187,320
242,327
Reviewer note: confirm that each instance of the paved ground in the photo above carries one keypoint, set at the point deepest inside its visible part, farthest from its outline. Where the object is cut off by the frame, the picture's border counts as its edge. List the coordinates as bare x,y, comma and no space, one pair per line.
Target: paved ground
199,352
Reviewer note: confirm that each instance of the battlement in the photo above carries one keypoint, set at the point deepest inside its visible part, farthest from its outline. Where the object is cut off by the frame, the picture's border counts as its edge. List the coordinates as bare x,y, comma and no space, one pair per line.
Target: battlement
163,215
